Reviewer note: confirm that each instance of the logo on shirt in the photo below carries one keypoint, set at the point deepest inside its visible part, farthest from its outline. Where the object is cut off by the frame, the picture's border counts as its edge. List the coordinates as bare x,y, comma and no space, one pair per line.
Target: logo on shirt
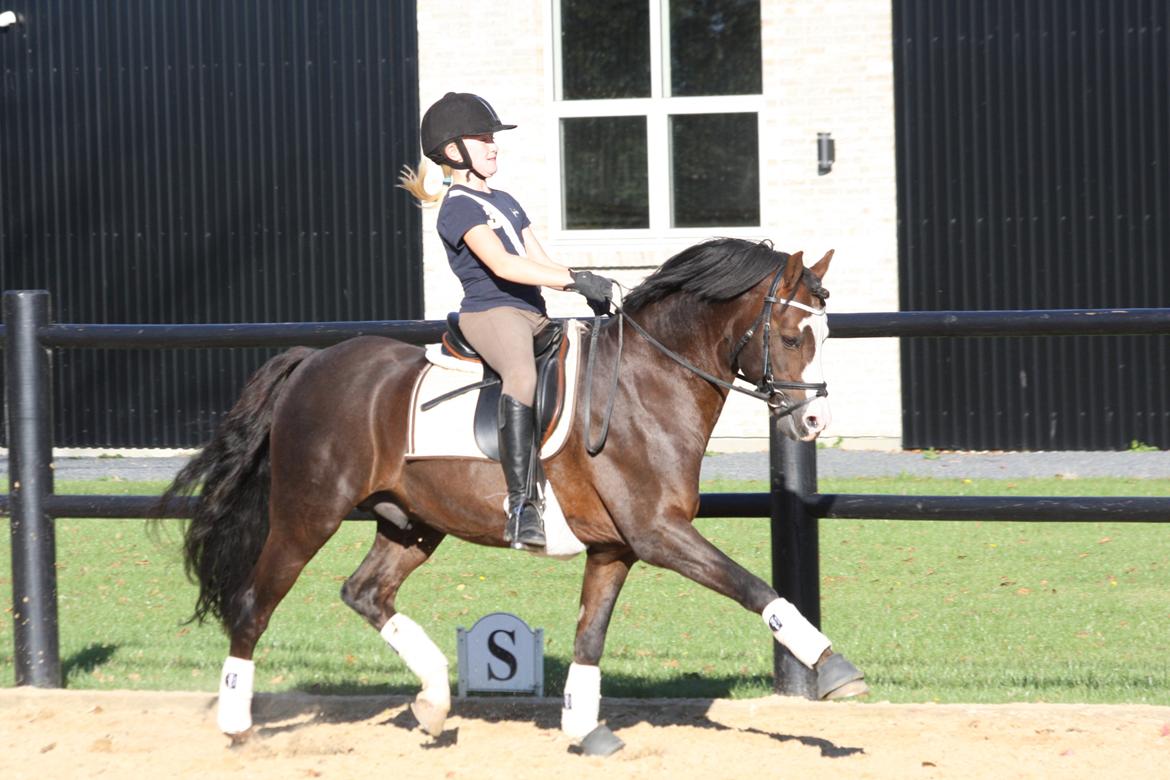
515,212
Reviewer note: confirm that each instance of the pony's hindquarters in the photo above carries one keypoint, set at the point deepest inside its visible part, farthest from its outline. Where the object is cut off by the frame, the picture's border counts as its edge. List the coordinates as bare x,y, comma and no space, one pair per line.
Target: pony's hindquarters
229,528
230,524
312,436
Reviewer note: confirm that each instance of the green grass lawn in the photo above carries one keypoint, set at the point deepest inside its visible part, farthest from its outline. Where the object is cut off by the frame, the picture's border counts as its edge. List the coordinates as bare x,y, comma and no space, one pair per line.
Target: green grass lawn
932,611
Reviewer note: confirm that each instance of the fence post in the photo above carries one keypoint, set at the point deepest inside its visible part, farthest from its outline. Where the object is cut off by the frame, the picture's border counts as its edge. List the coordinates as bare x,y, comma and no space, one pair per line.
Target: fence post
795,551
30,480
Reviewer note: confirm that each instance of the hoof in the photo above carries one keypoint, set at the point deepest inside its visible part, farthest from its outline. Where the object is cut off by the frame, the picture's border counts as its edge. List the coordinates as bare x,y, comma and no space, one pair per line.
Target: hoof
839,679
601,742
239,739
430,716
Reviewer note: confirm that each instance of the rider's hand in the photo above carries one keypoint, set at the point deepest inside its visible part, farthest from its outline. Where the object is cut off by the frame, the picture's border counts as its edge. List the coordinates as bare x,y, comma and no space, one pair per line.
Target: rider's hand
598,290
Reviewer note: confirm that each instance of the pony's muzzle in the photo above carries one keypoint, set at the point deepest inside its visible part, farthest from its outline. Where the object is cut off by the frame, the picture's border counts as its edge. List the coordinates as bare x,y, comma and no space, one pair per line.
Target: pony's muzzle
805,419
816,418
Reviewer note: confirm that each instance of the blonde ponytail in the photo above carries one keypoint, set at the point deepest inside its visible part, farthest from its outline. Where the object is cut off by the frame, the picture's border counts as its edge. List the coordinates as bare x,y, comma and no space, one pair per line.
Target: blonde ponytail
414,182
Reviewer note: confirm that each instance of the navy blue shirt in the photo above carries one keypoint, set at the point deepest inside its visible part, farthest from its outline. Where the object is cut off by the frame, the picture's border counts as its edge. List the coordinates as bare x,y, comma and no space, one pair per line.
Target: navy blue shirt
482,289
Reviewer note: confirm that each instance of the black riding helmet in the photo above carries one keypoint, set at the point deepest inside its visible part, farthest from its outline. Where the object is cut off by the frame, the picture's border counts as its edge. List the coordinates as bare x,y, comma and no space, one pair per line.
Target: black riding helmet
454,117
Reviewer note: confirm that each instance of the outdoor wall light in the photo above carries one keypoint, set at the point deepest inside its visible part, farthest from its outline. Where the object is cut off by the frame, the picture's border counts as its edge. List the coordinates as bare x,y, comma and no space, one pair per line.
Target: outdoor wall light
826,153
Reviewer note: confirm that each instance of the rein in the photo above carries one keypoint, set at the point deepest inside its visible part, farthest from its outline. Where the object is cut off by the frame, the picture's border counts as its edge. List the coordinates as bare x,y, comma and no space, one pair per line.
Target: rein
765,390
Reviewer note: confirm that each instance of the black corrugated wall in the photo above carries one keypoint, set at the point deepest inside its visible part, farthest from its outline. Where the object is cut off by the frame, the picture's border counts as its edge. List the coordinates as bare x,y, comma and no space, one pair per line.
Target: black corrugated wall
1033,143
200,161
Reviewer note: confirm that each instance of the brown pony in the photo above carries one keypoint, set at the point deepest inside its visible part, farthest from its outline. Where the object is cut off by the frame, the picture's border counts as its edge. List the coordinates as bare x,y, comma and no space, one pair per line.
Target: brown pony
319,432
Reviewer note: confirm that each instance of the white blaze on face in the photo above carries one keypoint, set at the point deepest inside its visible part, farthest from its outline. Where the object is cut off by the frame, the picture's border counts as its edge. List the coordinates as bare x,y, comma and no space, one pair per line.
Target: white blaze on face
816,415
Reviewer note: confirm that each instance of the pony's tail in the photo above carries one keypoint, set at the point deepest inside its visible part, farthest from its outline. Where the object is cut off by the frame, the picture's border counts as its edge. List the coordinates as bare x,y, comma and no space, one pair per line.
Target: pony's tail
230,522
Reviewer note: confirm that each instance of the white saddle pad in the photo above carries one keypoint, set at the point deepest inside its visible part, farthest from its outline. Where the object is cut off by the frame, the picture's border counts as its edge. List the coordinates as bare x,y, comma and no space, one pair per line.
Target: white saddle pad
445,431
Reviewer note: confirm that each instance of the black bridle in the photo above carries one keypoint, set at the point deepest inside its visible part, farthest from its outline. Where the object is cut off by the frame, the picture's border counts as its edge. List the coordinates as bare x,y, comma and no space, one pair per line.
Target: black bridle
766,389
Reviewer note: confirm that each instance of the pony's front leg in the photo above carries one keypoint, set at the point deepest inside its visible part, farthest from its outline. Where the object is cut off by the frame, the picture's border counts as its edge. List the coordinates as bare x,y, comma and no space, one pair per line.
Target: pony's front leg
677,545
605,573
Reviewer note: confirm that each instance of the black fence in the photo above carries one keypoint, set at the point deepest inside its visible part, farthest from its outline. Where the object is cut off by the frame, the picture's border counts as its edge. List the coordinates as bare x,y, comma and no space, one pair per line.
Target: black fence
793,503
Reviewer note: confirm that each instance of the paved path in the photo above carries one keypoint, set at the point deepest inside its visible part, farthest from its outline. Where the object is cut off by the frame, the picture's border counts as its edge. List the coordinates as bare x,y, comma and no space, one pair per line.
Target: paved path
754,465
974,465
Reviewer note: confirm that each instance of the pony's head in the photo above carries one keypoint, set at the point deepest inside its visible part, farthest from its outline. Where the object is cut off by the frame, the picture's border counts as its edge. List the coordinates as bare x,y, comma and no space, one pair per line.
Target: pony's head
775,325
781,351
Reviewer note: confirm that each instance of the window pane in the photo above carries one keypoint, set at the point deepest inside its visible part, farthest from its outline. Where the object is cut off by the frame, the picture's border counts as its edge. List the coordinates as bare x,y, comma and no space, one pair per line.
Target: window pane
605,49
605,175
715,47
715,170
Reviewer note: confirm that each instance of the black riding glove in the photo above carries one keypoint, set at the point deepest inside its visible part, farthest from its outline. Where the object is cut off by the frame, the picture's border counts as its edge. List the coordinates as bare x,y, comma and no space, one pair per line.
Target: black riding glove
597,290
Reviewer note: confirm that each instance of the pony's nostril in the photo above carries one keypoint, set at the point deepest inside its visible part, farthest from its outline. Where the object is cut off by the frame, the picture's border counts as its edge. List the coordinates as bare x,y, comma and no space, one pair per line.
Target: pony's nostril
813,422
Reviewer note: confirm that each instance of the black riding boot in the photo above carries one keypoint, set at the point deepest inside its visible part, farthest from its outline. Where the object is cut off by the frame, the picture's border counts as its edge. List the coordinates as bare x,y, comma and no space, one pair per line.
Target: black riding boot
525,526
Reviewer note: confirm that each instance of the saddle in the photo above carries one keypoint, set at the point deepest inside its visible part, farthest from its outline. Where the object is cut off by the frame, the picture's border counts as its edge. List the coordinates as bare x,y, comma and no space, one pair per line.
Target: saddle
549,345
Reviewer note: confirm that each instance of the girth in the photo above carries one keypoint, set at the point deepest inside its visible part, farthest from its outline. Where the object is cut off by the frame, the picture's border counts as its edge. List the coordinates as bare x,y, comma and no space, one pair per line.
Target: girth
549,345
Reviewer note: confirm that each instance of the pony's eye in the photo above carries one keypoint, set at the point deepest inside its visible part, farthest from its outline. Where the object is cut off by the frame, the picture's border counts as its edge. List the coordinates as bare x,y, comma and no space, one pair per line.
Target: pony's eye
789,342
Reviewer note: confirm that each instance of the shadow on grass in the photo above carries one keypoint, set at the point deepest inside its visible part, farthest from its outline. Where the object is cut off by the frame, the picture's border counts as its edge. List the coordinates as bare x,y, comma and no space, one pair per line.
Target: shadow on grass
669,703
86,660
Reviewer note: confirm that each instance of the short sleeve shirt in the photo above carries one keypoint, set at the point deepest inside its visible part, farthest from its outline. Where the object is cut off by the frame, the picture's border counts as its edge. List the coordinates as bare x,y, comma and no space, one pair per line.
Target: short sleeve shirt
482,289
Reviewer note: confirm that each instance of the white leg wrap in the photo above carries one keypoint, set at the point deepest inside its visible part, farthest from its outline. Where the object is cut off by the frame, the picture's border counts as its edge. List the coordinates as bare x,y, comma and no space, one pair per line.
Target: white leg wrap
235,696
421,656
793,630
582,700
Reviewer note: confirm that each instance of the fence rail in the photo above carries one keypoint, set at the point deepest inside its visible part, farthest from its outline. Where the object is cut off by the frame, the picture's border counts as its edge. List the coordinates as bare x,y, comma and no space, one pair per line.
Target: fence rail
793,503
1010,322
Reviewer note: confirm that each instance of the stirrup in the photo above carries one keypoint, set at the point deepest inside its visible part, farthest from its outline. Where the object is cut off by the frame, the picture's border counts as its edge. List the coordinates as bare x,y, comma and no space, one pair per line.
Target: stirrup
524,528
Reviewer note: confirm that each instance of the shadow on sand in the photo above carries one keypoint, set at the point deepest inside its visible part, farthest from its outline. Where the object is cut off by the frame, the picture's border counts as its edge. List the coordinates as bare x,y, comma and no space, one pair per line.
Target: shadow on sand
289,712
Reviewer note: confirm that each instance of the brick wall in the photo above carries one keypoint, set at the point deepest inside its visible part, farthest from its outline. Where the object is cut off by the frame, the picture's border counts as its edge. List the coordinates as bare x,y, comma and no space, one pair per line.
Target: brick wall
828,66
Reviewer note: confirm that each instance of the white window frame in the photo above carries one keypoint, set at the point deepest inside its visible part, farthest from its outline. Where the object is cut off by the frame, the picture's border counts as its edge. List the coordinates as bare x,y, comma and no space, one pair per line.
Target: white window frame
658,108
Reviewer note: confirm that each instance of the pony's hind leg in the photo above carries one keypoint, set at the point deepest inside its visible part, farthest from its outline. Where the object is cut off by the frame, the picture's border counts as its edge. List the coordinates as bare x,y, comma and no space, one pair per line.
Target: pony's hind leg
292,541
399,548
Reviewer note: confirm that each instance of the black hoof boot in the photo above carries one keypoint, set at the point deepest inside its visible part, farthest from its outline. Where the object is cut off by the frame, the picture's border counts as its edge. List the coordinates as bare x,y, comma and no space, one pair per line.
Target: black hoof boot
601,742
839,679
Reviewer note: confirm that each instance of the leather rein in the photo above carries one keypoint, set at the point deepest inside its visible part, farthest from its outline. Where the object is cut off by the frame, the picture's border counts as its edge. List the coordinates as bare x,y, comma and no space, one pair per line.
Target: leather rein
766,389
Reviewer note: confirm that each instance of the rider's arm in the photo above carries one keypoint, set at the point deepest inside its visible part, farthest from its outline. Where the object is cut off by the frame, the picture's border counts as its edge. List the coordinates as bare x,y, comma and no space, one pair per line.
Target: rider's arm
535,250
486,245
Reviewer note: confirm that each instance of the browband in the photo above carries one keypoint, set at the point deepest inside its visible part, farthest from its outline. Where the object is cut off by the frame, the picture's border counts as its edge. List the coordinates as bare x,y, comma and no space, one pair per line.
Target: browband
797,304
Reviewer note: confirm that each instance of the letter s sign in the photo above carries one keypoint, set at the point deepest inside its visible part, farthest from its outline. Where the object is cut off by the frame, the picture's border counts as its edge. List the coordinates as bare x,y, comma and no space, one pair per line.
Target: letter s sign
503,654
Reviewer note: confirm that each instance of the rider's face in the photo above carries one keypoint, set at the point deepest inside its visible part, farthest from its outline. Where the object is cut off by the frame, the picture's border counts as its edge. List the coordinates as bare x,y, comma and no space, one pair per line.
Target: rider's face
482,149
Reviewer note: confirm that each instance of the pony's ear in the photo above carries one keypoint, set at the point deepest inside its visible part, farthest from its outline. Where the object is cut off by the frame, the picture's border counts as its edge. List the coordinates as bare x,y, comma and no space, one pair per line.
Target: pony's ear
793,270
822,266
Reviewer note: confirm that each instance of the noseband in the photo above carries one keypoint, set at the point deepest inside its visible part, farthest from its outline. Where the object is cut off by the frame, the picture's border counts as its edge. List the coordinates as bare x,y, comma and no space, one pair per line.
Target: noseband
768,387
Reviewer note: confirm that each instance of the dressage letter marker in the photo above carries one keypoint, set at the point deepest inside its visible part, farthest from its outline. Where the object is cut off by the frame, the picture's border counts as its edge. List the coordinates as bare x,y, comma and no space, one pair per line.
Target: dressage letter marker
501,654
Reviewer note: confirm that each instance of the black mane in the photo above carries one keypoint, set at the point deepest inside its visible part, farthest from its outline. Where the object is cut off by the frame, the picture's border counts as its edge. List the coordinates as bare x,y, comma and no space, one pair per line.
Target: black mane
716,270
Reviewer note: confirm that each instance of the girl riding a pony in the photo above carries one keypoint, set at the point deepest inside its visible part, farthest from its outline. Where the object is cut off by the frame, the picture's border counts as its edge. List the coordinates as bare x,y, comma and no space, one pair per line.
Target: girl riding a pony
493,249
